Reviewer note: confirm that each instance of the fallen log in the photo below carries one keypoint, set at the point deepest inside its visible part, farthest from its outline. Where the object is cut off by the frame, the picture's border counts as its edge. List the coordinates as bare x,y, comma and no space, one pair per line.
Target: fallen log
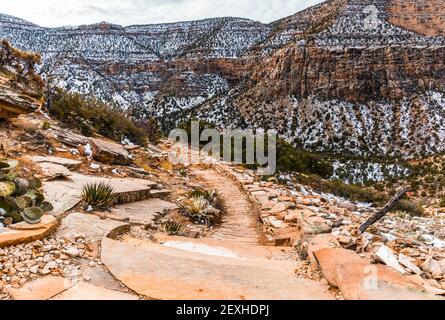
387,208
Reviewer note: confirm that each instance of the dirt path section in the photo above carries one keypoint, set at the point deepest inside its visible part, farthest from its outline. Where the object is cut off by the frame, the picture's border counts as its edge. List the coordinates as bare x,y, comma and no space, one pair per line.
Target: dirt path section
239,222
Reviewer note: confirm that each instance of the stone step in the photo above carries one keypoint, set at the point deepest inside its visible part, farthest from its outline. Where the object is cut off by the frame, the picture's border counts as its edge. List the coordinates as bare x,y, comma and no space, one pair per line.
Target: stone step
24,232
70,164
65,194
141,212
161,194
204,272
92,227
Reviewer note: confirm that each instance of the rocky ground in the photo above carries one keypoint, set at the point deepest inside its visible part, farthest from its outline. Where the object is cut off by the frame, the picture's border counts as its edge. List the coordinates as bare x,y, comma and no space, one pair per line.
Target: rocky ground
293,214
271,235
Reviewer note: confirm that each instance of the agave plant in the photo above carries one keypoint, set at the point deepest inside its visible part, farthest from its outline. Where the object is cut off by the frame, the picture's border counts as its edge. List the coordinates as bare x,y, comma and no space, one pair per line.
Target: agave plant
8,165
98,196
172,227
20,199
200,211
195,205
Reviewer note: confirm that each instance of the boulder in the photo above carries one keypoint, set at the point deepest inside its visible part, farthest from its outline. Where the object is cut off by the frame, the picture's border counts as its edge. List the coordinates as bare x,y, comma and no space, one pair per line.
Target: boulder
110,152
68,163
50,171
314,225
385,255
69,138
358,281
274,222
319,242
330,259
406,262
442,265
298,215
432,266
280,207
287,236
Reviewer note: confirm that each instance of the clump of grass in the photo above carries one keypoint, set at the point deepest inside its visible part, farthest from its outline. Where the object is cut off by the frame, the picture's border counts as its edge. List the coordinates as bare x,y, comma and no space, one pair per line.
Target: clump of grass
195,205
172,227
46,125
210,196
98,196
413,209
201,211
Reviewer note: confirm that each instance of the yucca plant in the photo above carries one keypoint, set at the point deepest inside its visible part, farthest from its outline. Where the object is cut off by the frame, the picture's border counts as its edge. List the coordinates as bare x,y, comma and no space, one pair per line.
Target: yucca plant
210,196
195,205
98,196
200,211
172,227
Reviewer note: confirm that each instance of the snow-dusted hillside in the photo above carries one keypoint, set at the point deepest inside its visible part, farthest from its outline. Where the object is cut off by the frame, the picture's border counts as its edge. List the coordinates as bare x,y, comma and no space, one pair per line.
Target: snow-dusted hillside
128,66
340,76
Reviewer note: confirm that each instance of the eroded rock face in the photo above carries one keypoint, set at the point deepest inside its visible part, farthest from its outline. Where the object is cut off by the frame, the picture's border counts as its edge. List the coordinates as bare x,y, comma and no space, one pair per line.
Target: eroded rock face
425,17
14,103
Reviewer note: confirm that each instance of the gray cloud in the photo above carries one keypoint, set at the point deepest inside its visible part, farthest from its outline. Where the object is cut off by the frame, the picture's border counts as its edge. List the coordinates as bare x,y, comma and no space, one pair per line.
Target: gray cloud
127,12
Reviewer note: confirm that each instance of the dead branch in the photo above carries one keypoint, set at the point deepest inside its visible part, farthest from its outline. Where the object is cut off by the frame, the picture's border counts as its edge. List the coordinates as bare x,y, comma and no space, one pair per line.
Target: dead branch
387,208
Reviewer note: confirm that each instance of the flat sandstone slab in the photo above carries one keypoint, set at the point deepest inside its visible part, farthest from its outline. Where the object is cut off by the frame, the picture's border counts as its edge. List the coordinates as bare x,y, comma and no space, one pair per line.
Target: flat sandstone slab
86,291
41,289
68,163
358,281
64,194
161,272
89,225
329,259
142,212
24,232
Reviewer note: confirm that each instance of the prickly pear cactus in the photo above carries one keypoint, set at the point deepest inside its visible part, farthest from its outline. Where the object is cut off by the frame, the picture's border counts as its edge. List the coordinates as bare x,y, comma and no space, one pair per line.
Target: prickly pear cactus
20,199
32,215
6,188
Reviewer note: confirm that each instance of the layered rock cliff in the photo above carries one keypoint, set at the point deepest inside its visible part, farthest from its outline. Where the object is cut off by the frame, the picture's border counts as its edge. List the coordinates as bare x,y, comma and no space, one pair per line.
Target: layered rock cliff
358,76
361,86
20,87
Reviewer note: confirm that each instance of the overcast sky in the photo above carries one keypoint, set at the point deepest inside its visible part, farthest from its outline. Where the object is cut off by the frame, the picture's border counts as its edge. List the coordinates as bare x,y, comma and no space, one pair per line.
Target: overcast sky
52,13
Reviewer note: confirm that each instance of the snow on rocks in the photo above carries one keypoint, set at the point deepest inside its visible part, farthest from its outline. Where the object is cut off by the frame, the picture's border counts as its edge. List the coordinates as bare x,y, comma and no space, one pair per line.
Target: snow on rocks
299,216
386,255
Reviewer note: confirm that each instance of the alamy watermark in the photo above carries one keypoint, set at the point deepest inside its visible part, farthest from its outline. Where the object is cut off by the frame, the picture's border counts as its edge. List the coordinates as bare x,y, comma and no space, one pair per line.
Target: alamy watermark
233,146
372,20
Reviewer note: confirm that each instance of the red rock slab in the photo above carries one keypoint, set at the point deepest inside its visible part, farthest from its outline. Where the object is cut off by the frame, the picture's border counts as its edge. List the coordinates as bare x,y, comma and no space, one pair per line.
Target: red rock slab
110,152
24,232
41,289
319,242
167,273
287,236
358,281
85,291
330,259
